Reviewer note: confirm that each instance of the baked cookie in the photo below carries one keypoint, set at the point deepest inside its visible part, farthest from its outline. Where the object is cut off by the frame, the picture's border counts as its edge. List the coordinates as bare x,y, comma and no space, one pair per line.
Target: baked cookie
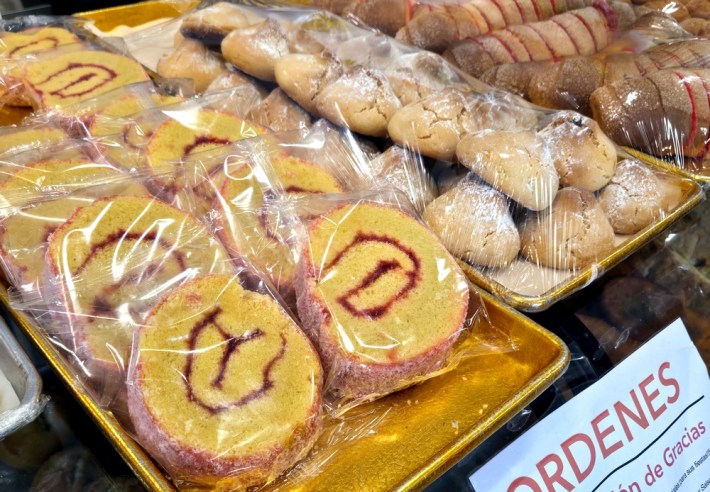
633,199
514,163
583,156
474,223
79,75
361,100
246,380
404,170
279,113
572,234
304,76
434,125
232,79
109,263
416,76
210,25
380,297
255,50
192,60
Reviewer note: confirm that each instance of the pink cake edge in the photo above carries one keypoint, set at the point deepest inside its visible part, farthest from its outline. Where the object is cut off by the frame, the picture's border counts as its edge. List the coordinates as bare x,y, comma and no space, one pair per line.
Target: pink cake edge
352,378
186,462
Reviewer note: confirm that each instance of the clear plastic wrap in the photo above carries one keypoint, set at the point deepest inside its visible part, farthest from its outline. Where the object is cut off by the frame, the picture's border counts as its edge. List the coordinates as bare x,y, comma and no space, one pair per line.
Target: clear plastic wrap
541,210
37,196
107,258
651,92
163,131
653,41
20,40
583,31
153,314
70,73
669,118
14,139
383,300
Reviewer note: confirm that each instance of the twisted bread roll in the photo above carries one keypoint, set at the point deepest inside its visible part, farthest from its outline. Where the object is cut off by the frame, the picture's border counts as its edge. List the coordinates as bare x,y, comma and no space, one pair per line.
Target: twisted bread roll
436,26
580,32
666,113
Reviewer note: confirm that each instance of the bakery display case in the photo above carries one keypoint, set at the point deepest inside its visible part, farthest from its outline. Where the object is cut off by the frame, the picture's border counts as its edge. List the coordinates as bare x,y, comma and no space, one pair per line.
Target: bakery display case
314,231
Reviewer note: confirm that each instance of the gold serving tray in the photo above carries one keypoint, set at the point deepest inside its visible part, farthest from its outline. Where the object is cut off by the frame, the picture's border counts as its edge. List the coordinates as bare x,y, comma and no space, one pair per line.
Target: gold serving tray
419,432
702,175
691,195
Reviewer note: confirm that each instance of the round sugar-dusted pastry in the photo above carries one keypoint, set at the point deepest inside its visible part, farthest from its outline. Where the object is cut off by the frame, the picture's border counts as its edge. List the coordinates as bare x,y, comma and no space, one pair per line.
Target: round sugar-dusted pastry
25,231
247,227
177,139
633,199
210,25
246,380
583,156
474,223
572,234
192,60
79,75
112,259
380,297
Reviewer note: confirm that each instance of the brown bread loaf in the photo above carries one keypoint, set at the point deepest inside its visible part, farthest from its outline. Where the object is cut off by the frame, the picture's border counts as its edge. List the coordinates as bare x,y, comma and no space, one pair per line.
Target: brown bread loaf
436,26
580,32
666,113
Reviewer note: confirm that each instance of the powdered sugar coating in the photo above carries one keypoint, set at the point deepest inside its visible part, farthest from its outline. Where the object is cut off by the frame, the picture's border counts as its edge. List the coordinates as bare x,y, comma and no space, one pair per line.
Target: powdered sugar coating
633,198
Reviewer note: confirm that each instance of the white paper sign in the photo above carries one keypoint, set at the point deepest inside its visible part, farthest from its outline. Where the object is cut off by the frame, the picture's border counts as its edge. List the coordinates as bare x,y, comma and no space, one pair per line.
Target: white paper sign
645,426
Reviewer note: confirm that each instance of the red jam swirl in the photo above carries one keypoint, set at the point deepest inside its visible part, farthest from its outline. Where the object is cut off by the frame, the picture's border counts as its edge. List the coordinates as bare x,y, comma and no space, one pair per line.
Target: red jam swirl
121,235
65,91
231,349
53,43
203,140
383,267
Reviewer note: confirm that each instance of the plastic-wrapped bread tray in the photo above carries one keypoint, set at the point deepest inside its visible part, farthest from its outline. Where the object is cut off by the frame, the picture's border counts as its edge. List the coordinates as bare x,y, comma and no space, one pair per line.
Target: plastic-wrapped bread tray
438,422
23,377
559,288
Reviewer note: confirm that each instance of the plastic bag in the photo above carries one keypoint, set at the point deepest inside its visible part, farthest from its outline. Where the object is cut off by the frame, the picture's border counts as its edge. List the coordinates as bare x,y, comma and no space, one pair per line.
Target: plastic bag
246,378
40,194
14,139
650,94
22,39
234,186
568,83
105,266
116,270
542,209
382,299
167,133
72,73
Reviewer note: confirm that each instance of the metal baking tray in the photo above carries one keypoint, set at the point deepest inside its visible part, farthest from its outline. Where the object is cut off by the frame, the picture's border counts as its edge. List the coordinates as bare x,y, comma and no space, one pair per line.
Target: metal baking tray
702,174
23,377
420,431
